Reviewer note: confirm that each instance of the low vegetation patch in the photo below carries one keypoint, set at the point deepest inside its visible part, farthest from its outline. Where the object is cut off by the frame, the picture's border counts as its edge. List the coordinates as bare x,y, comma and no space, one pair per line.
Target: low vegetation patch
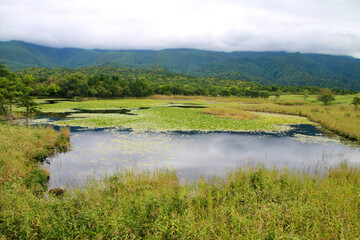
21,149
234,113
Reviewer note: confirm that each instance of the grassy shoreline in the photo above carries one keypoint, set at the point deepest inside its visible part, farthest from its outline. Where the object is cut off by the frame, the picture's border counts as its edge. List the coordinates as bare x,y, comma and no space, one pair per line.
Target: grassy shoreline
251,203
341,120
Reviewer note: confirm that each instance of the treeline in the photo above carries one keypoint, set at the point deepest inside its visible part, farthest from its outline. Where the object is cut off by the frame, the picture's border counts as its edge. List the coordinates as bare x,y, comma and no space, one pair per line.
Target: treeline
111,82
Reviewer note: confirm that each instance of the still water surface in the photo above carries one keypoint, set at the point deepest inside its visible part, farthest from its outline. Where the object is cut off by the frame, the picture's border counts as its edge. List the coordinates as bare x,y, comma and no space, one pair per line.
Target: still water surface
99,152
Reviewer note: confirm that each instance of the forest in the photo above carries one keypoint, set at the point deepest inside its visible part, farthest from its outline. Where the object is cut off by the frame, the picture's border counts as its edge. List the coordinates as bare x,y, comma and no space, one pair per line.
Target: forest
113,82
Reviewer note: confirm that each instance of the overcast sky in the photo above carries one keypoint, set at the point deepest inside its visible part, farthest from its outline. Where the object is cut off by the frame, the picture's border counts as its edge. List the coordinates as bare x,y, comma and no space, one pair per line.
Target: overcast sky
321,26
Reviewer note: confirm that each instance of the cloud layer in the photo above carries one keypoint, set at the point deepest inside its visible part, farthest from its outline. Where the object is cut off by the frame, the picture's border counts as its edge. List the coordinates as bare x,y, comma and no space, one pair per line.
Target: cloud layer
322,26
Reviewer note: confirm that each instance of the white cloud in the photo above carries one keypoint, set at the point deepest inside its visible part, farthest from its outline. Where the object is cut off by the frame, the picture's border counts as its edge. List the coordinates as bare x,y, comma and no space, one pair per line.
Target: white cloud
330,26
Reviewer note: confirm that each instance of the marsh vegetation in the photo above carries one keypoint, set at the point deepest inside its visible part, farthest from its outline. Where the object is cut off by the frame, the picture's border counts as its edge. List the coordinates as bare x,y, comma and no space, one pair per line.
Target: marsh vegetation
170,167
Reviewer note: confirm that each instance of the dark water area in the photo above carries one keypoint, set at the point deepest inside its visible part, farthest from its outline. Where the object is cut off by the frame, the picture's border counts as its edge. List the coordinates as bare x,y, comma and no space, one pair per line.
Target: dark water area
184,105
104,111
54,116
99,152
187,106
53,101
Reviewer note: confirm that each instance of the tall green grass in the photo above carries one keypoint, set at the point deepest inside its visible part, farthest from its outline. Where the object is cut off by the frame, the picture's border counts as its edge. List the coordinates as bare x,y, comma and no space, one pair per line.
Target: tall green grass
23,148
255,203
21,179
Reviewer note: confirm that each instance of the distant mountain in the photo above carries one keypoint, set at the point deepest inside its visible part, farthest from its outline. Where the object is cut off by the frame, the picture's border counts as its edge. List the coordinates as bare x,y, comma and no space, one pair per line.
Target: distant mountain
278,68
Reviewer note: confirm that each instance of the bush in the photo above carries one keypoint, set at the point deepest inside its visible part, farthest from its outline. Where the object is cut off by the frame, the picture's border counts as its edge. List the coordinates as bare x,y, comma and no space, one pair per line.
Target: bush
326,98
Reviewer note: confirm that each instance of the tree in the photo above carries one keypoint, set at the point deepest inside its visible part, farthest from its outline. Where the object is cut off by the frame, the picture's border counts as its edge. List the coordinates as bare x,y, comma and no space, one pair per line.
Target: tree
140,88
264,94
356,102
10,89
4,72
252,93
305,94
225,92
234,90
277,94
27,101
326,98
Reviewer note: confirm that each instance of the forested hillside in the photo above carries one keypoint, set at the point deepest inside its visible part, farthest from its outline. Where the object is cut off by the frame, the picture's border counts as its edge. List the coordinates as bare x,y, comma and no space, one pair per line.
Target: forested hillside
278,68
112,81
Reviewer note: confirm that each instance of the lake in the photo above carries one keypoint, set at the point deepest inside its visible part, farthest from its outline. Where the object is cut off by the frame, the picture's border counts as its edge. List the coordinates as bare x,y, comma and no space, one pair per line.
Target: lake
99,152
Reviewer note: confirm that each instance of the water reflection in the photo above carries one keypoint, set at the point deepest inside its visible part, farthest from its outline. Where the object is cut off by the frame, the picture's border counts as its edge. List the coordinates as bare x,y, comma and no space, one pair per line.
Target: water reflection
103,151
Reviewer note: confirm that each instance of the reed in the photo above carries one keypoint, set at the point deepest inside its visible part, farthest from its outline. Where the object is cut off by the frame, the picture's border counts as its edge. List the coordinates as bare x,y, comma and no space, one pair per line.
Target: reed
339,118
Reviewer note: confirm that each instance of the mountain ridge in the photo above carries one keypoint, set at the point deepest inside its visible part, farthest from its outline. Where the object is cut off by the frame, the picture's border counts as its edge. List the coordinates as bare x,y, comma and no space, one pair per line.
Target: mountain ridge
273,67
